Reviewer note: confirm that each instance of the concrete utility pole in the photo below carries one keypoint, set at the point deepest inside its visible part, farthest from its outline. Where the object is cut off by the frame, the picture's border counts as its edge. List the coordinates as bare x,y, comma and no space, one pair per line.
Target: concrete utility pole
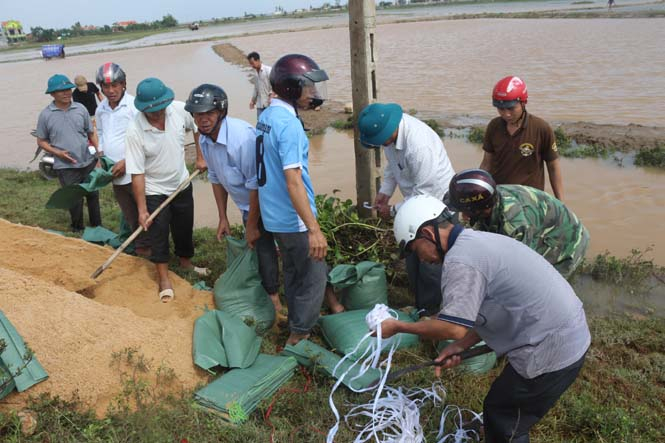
362,28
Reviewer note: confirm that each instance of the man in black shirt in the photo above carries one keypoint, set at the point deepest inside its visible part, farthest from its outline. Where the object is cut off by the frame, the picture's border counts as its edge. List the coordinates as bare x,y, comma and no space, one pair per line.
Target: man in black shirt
85,94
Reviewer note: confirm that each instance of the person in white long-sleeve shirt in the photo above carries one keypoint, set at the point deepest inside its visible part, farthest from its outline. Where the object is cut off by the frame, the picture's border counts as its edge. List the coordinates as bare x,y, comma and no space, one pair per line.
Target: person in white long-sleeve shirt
418,163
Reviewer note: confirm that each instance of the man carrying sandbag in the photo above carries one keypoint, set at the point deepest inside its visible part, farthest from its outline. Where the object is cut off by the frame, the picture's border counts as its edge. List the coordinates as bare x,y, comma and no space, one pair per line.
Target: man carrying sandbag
286,195
497,289
229,148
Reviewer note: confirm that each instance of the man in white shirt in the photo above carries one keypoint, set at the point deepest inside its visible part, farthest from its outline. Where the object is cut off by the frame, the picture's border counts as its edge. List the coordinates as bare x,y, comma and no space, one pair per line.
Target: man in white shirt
229,148
155,157
261,79
113,116
418,163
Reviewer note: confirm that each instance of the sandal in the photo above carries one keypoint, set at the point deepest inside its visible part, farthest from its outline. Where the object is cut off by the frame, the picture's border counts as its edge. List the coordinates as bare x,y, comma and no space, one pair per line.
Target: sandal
166,295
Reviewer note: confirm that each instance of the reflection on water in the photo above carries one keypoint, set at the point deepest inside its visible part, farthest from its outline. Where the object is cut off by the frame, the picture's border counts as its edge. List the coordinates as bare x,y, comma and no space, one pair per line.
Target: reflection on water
599,70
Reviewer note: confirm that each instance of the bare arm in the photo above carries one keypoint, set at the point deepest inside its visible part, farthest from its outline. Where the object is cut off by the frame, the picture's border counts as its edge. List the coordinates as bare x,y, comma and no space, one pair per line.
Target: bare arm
138,188
470,338
221,199
252,228
317,241
58,152
200,164
429,329
486,163
556,178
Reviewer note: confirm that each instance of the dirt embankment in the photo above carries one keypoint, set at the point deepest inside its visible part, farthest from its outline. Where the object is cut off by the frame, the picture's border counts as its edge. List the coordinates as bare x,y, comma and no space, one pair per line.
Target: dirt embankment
75,324
623,137
315,121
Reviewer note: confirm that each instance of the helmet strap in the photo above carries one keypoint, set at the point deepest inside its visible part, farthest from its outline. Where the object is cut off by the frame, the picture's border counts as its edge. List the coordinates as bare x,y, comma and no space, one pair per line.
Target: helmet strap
437,238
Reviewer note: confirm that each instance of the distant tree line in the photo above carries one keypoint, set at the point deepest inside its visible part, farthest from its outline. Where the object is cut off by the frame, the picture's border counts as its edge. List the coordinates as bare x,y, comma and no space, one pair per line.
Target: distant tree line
76,30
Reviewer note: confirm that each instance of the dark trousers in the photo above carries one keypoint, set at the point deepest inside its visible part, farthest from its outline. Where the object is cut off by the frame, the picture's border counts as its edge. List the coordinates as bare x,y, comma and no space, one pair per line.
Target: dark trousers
266,252
425,284
304,281
178,218
74,176
514,404
125,197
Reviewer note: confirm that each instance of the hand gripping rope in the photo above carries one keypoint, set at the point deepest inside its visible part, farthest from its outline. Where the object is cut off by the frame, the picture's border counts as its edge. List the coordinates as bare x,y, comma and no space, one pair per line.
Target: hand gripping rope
394,414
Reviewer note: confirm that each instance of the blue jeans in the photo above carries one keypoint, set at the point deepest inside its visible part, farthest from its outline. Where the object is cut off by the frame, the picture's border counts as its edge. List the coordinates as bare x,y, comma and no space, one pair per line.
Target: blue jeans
304,281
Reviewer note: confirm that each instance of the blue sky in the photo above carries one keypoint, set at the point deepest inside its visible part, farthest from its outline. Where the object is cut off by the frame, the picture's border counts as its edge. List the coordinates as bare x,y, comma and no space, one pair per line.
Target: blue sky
64,13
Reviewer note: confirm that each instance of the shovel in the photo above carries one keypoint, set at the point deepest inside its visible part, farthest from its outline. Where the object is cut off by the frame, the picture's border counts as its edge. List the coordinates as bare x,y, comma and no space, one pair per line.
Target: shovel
464,355
136,233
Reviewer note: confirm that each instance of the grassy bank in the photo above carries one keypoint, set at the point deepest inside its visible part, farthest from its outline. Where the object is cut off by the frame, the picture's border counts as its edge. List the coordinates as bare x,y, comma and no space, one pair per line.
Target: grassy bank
620,396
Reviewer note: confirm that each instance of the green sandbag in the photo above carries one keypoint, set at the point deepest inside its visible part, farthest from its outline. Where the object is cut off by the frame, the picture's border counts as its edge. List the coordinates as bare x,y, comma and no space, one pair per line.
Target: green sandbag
69,195
365,284
7,384
476,365
345,330
239,291
102,236
221,339
22,365
238,392
310,354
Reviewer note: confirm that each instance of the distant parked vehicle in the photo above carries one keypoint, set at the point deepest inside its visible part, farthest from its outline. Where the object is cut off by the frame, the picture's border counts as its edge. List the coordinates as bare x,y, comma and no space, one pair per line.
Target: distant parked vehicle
51,51
194,26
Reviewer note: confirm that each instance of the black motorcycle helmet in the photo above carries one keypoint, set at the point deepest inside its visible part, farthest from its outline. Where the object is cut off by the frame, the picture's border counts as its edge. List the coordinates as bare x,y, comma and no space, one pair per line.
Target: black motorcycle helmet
207,97
291,73
471,191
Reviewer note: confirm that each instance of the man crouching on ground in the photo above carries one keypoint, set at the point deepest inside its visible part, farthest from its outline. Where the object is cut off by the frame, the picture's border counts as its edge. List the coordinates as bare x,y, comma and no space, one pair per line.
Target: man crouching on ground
497,289
155,157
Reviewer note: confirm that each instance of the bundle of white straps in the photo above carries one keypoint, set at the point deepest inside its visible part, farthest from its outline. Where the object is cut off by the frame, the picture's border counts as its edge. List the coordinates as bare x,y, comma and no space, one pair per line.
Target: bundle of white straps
394,414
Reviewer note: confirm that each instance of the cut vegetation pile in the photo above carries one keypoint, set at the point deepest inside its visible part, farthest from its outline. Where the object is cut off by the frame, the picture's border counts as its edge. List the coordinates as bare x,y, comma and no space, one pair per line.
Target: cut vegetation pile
82,332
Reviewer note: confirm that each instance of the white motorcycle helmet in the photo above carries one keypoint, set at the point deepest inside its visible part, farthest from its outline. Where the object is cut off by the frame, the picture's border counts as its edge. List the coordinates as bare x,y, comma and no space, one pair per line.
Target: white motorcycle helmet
413,214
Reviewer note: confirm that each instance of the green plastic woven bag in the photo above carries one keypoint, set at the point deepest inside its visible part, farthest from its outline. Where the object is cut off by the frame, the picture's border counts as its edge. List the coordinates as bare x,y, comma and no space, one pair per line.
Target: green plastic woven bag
67,196
345,330
220,339
476,365
237,393
7,384
364,284
310,354
238,290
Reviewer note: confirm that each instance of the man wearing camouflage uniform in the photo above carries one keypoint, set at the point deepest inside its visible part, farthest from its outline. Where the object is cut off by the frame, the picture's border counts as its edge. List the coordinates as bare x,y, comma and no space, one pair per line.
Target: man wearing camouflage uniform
526,214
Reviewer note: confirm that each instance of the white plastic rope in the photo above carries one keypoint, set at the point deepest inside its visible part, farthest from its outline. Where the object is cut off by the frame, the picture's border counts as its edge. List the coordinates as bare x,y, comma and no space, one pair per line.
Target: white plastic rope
394,415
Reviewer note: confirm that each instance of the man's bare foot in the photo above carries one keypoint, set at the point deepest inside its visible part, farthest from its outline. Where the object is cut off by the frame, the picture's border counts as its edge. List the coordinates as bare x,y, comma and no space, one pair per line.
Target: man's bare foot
294,338
333,302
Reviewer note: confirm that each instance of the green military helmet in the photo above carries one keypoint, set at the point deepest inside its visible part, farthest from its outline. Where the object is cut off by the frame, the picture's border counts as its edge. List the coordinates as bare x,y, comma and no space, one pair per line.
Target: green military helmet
377,122
152,95
58,82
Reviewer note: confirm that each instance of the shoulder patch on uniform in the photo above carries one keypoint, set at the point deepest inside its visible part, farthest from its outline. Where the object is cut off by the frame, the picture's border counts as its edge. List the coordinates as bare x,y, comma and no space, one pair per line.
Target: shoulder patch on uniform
555,148
263,127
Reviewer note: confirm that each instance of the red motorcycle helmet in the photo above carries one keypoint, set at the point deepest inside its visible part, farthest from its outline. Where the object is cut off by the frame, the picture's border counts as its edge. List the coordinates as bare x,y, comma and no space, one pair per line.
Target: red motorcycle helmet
471,191
292,72
508,92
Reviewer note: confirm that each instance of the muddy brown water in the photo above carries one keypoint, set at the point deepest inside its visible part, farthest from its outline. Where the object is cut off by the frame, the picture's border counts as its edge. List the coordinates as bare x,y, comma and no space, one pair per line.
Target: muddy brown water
576,70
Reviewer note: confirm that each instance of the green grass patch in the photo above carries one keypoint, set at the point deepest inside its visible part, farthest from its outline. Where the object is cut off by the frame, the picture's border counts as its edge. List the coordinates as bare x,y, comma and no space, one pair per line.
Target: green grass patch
633,271
436,127
343,123
651,157
477,134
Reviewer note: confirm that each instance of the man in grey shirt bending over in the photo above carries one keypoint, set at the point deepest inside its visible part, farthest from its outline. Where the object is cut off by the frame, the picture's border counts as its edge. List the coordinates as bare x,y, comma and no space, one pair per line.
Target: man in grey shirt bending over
498,290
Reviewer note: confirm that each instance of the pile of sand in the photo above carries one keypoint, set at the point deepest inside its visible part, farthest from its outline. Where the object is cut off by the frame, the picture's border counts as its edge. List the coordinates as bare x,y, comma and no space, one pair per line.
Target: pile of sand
74,324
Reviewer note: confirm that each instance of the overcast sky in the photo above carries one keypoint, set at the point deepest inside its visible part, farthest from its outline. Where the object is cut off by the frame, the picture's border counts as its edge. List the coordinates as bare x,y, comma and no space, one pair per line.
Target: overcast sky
64,13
